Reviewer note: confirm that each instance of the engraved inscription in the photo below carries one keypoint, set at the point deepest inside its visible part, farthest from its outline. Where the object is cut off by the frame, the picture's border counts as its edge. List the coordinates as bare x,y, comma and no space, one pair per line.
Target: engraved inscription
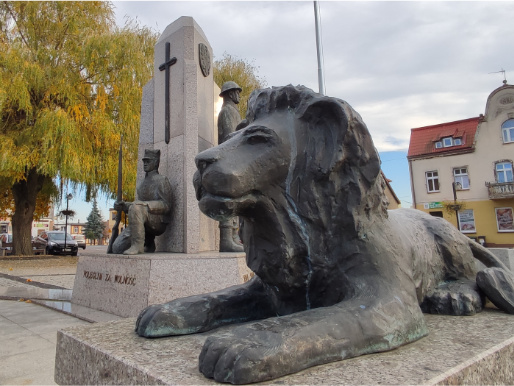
129,280
119,279
93,275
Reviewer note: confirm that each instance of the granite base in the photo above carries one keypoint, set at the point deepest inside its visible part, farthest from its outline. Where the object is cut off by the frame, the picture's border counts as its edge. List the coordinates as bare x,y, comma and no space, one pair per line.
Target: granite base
124,285
459,350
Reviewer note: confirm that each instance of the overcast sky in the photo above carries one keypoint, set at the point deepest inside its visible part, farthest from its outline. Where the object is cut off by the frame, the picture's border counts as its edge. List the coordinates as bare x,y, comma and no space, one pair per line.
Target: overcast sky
399,64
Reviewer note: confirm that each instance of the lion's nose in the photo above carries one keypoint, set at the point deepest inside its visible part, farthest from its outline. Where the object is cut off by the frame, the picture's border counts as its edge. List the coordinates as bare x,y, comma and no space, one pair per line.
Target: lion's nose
205,158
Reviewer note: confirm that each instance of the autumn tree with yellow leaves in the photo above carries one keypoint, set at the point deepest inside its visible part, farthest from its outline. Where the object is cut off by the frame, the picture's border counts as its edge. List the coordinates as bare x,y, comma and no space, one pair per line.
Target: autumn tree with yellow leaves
70,86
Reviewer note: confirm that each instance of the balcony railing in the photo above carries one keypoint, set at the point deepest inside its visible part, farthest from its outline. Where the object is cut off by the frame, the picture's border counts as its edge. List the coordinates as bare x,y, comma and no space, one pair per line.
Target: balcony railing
498,191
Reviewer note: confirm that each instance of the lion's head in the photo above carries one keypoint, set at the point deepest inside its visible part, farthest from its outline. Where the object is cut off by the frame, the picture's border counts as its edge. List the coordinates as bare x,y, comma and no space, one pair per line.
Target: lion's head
304,175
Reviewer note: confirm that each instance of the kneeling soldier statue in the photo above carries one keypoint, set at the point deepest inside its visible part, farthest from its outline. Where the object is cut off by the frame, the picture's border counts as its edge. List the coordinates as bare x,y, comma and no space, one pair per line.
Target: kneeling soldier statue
150,214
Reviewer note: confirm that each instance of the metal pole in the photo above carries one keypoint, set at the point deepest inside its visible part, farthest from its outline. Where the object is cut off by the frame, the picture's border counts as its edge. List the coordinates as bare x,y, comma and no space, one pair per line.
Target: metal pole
66,222
455,205
321,79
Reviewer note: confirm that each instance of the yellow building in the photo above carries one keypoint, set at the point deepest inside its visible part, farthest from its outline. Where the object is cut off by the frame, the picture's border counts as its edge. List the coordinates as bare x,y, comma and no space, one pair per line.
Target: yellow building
463,171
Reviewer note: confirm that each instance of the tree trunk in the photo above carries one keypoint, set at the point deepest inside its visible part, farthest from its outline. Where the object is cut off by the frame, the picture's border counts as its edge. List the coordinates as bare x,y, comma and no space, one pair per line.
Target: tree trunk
25,193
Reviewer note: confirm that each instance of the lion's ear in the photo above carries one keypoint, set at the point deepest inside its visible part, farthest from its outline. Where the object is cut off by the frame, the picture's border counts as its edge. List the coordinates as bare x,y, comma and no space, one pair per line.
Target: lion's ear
328,124
338,135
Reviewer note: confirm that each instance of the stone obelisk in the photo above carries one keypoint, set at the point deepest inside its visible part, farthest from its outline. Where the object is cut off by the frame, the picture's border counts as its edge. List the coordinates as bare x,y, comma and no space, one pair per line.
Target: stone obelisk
178,117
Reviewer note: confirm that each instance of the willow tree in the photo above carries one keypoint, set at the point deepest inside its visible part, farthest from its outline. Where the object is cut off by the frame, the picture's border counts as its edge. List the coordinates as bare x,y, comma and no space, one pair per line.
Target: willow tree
70,86
241,71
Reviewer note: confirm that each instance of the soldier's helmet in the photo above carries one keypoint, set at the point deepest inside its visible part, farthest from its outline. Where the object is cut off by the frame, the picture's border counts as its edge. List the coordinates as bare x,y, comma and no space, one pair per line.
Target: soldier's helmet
230,85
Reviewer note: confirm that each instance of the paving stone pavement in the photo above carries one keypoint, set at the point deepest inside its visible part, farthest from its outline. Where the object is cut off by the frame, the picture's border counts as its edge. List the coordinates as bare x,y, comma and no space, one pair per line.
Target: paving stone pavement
28,341
28,331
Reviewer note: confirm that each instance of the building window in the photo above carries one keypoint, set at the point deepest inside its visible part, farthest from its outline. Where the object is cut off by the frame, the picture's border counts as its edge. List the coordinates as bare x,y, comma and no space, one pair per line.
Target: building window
508,131
432,181
467,221
504,172
504,219
461,178
448,142
438,145
75,229
457,141
114,215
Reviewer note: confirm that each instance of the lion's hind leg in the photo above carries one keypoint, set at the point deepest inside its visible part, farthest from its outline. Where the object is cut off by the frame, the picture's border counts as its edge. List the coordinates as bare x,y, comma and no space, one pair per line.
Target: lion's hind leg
498,285
457,297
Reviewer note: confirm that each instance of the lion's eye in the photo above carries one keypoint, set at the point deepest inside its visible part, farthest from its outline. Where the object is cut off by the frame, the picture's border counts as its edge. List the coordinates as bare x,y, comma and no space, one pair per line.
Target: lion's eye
257,139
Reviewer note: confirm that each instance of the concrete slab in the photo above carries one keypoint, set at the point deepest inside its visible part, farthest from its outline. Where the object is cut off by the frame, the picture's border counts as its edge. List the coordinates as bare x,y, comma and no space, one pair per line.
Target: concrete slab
459,350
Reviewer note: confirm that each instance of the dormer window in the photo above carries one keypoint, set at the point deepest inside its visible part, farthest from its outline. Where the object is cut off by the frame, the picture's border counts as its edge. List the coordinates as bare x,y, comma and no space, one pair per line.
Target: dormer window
448,141
508,131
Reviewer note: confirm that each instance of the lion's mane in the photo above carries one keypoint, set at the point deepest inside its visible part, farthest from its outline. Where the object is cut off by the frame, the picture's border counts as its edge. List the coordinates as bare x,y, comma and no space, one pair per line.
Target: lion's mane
334,190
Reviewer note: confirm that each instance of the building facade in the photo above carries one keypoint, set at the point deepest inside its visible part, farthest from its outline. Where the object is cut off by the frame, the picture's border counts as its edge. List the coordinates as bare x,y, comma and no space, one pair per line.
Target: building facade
463,171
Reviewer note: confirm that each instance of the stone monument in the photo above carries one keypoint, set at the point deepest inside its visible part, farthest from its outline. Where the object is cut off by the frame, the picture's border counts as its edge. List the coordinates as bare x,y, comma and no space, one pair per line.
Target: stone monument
178,118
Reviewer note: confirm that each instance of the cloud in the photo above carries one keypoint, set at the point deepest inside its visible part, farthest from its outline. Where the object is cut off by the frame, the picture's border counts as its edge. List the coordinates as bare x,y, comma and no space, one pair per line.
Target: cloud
399,64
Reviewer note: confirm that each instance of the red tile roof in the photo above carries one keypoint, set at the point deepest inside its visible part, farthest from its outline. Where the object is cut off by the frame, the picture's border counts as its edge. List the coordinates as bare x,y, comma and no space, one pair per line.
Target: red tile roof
422,139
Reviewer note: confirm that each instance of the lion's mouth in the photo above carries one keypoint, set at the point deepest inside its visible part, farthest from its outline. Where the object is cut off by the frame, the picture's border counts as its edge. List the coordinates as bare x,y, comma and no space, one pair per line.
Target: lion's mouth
221,208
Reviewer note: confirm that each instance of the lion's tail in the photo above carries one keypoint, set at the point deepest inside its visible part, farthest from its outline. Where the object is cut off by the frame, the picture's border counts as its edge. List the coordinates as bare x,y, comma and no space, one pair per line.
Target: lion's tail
486,257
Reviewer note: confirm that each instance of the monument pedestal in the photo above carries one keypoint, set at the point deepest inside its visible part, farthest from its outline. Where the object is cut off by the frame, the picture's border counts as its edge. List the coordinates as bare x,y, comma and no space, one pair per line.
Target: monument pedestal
459,350
125,285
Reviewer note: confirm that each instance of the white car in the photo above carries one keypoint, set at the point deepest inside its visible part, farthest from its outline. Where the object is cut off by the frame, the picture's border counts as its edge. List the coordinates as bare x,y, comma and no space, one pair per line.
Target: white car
80,239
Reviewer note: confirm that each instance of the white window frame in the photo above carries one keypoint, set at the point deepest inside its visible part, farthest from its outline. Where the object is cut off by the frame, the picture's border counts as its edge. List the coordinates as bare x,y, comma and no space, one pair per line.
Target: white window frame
508,131
459,140
450,142
460,175
506,167
438,145
430,177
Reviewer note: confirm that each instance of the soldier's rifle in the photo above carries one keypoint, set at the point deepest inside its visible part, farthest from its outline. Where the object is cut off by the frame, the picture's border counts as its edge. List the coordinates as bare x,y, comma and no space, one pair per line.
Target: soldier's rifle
119,198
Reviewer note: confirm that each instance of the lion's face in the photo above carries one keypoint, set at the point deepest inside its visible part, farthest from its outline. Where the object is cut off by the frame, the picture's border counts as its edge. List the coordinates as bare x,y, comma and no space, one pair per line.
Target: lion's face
250,165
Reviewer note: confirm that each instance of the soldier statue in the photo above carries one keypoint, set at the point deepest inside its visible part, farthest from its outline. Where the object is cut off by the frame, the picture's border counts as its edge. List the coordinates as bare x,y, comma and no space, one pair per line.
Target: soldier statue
228,119
150,214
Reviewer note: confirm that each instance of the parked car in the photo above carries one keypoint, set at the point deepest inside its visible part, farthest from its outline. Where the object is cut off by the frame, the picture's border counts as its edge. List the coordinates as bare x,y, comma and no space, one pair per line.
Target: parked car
80,239
54,243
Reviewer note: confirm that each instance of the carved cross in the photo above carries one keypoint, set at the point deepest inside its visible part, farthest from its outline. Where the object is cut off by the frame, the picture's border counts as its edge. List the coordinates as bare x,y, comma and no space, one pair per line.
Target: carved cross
166,68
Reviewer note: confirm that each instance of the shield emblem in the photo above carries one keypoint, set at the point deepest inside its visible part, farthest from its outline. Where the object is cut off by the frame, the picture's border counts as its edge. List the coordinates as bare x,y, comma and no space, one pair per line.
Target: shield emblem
205,59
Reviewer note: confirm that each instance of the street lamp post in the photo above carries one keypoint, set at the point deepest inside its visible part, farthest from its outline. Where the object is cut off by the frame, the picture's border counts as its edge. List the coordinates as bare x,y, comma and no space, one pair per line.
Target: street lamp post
456,186
68,198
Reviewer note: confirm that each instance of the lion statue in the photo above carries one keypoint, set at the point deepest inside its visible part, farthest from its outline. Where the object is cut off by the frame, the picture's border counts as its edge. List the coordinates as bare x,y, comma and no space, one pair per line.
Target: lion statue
336,274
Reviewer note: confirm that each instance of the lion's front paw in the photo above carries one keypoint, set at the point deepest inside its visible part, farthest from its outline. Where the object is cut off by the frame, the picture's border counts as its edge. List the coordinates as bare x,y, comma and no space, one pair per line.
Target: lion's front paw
149,321
240,359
